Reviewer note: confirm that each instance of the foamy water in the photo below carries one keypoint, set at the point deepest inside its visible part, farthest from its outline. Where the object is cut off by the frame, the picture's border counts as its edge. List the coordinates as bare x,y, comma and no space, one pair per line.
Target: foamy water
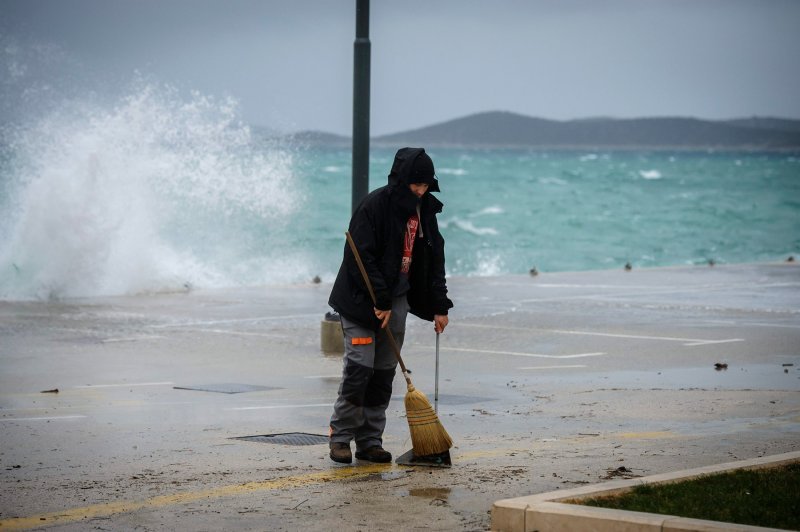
158,192
650,174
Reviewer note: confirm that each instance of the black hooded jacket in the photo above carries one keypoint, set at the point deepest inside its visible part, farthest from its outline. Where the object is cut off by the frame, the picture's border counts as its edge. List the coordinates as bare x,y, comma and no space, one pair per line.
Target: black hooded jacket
378,227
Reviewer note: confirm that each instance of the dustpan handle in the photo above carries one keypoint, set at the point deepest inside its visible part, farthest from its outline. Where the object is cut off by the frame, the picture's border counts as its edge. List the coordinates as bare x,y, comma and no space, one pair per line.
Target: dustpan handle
375,301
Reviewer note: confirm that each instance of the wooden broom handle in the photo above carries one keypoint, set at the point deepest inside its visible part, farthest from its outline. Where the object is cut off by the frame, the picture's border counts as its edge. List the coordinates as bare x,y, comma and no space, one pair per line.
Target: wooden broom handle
374,299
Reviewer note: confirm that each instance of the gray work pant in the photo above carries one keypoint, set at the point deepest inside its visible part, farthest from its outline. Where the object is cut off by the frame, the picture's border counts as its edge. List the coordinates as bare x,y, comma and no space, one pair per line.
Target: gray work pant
365,391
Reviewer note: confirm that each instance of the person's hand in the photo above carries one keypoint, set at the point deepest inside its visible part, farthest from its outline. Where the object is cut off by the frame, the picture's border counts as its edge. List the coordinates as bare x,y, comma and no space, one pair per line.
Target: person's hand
440,322
384,316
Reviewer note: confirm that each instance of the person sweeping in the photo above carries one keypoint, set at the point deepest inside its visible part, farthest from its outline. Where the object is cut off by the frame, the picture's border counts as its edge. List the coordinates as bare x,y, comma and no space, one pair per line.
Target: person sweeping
402,253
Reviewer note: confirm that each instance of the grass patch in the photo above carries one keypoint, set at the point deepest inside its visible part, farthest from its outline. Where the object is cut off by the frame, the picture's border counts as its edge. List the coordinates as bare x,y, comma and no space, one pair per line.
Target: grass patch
761,497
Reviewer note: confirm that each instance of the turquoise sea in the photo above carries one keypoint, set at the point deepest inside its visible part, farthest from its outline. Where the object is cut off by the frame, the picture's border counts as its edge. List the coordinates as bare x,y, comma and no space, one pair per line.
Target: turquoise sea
154,194
507,211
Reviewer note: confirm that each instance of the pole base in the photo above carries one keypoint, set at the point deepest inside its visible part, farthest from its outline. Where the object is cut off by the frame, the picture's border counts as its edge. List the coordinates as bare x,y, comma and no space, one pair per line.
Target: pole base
432,460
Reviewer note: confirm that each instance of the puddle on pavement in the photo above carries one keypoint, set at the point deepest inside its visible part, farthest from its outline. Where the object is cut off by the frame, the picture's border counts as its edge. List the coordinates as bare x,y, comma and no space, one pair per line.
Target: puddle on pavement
447,399
755,376
393,475
431,493
440,495
388,475
752,376
729,427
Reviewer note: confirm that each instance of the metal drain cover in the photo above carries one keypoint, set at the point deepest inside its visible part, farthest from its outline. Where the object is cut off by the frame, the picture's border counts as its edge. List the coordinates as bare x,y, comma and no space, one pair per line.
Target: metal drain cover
227,388
289,438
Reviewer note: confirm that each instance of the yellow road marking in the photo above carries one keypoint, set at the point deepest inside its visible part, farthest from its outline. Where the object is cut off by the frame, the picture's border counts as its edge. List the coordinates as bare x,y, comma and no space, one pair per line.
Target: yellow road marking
336,474
106,509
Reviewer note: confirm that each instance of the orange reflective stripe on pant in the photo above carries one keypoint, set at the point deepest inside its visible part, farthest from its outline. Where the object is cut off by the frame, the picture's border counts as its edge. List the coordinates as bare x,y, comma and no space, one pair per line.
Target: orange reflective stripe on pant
362,341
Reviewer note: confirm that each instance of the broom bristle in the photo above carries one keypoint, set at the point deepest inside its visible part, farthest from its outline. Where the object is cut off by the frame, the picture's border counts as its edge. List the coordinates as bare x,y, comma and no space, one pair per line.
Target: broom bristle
428,436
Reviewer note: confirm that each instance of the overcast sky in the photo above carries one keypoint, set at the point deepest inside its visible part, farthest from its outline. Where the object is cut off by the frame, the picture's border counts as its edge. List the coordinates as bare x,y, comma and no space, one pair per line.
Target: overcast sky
289,63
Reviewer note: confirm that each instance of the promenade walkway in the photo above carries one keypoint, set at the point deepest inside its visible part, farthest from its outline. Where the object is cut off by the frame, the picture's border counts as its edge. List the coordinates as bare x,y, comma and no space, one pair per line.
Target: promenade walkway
547,382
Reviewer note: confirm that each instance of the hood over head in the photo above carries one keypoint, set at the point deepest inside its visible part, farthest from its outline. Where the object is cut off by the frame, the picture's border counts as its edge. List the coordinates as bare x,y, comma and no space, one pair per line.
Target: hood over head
413,165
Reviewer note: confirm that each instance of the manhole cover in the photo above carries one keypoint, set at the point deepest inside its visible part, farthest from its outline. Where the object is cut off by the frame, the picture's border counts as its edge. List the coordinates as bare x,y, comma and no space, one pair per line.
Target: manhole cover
289,438
227,388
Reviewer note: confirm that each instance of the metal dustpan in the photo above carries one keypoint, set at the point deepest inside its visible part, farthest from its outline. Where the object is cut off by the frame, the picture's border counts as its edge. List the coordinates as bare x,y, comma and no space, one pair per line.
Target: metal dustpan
432,460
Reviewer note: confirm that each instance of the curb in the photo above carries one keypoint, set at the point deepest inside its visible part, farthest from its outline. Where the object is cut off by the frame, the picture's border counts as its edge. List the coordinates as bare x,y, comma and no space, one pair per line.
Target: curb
545,512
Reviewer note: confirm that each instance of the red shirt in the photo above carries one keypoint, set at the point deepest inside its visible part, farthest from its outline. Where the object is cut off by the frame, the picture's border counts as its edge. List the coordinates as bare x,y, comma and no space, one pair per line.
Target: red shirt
408,243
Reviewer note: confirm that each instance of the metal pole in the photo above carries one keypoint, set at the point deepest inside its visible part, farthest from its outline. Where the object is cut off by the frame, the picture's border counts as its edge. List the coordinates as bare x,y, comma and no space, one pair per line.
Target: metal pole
361,75
436,392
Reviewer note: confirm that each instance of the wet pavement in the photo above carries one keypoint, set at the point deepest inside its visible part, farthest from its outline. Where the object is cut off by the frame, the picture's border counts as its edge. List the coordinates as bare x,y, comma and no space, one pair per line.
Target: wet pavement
546,382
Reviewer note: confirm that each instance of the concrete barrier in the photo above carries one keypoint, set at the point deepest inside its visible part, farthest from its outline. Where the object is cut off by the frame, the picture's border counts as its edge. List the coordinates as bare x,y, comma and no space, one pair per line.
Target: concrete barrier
547,512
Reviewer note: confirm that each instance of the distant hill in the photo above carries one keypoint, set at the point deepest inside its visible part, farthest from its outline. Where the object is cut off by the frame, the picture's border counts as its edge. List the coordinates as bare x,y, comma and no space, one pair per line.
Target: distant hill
320,137
505,129
780,124
498,128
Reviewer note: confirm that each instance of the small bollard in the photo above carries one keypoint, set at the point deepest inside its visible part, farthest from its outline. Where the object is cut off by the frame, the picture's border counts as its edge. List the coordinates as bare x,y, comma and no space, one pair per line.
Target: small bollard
330,335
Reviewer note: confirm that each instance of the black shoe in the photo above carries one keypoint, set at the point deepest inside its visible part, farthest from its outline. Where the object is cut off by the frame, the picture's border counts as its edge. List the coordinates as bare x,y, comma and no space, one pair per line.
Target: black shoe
375,454
340,452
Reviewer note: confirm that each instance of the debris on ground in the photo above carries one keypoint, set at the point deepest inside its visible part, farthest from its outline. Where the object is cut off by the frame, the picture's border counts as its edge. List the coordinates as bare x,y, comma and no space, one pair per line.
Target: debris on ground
619,472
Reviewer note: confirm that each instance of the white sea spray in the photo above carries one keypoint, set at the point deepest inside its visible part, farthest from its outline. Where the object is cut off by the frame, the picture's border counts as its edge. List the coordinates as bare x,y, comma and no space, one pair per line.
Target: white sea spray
161,191
650,174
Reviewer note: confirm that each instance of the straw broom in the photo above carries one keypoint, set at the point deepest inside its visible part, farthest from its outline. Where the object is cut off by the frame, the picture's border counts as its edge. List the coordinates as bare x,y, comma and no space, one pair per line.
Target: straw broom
428,436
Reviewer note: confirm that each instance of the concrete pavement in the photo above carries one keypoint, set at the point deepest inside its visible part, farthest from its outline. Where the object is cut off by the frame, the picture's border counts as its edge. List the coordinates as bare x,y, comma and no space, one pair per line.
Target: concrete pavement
547,383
